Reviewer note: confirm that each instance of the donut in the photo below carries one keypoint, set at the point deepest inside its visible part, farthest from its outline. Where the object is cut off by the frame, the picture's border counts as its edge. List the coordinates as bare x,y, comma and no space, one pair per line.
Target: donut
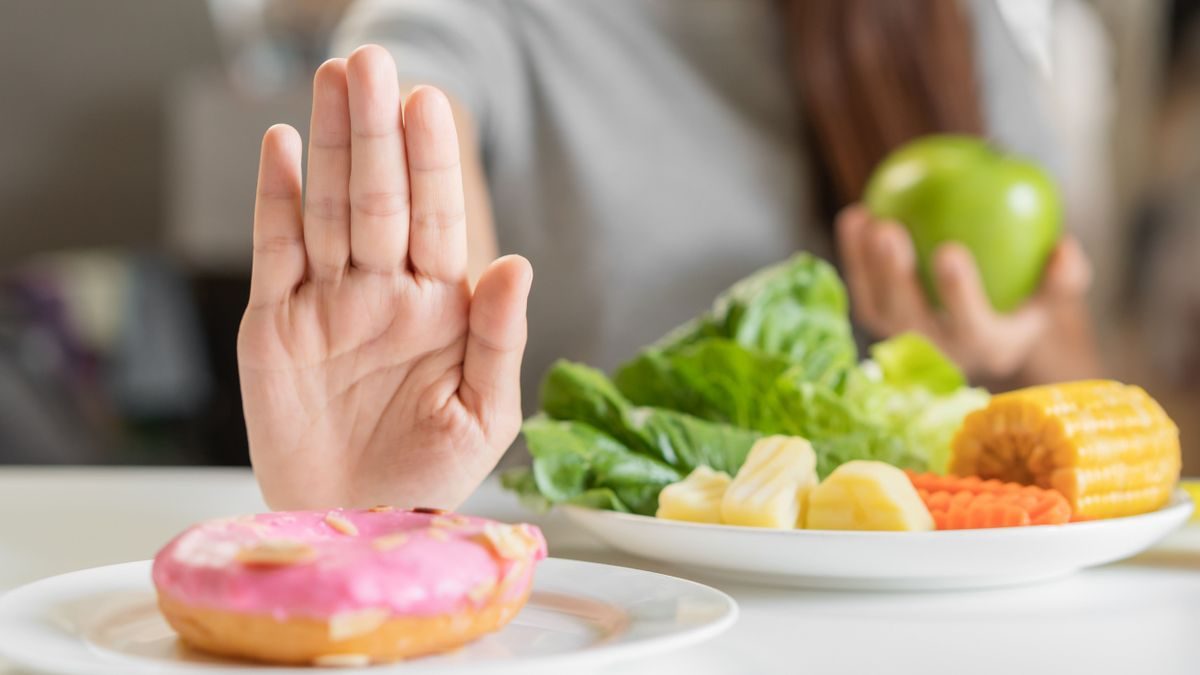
344,587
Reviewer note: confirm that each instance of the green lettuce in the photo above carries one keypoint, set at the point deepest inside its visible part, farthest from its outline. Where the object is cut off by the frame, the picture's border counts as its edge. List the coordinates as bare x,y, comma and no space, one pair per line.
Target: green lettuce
910,388
796,309
719,380
573,391
577,464
775,355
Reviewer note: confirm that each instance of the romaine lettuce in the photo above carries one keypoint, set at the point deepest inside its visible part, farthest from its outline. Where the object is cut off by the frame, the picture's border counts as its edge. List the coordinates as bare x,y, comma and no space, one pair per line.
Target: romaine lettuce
775,355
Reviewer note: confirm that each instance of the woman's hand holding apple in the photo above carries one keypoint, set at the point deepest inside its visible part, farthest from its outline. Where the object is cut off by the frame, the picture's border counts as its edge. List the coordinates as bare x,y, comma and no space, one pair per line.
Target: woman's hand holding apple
1038,341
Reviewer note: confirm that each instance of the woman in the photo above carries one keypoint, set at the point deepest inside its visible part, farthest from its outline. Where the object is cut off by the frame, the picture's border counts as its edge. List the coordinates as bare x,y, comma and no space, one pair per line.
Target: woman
643,155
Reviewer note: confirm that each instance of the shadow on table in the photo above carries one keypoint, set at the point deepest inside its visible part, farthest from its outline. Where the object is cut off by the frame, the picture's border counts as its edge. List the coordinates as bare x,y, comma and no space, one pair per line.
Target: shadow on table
1168,559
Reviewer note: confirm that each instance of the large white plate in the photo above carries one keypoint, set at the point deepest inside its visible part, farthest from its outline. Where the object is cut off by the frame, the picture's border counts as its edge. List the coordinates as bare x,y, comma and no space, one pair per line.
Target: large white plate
581,615
952,559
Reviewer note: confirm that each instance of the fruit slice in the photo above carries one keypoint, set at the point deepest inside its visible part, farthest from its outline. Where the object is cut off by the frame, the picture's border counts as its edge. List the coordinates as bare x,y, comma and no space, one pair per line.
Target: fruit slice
696,498
865,495
970,502
771,487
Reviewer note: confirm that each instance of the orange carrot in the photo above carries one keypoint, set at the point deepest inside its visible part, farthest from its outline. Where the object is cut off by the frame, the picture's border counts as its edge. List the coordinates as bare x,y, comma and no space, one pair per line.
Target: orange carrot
968,502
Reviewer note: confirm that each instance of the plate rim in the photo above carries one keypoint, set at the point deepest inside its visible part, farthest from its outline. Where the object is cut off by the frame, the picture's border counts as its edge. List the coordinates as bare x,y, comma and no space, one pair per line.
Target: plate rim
597,655
1181,503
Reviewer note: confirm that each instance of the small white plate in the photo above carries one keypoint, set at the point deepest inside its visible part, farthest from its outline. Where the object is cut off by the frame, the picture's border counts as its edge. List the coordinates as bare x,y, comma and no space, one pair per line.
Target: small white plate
953,559
581,615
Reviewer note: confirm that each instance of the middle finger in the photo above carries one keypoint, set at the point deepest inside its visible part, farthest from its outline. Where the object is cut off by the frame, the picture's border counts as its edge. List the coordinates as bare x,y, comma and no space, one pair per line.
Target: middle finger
379,196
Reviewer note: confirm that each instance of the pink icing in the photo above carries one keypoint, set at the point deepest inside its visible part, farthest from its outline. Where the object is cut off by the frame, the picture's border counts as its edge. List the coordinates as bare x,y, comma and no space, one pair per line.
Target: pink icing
443,559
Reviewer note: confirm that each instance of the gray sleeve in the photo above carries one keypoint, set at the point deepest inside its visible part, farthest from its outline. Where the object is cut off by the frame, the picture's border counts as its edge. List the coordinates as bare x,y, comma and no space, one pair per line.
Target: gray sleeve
465,47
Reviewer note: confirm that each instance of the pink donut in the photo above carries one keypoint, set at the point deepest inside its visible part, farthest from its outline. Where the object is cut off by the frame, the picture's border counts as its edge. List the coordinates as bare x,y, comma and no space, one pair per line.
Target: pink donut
344,587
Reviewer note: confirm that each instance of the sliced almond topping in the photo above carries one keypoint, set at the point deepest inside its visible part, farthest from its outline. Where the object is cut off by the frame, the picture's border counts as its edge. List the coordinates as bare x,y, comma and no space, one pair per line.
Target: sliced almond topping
342,660
455,522
276,552
482,591
346,625
428,509
338,522
513,574
511,542
389,541
382,508
437,534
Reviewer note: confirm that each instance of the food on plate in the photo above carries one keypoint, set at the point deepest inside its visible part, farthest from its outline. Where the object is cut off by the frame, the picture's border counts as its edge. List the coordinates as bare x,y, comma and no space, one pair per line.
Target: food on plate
1109,448
865,495
772,487
1192,487
344,587
960,503
775,355
1005,210
696,498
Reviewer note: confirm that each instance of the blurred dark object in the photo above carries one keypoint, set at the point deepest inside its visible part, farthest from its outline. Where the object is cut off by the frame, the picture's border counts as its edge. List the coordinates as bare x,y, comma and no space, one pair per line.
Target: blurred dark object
1183,20
268,44
220,430
1167,290
106,360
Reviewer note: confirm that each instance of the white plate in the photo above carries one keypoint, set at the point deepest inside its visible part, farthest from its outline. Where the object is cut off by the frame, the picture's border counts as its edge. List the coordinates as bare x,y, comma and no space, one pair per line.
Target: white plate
951,559
580,616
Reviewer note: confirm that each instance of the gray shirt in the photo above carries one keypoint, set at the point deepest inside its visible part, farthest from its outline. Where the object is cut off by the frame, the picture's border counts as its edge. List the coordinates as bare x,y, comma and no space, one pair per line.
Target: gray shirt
643,154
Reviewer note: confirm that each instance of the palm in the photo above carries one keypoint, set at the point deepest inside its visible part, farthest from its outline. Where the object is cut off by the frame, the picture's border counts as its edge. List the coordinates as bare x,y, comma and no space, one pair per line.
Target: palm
370,371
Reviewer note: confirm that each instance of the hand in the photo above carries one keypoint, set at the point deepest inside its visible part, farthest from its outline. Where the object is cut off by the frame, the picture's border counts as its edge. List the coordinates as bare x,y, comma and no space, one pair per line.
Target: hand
887,298
370,371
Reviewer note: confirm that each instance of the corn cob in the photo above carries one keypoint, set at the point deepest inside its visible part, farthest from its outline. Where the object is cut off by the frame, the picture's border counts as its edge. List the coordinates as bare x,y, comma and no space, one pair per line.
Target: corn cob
1109,448
696,498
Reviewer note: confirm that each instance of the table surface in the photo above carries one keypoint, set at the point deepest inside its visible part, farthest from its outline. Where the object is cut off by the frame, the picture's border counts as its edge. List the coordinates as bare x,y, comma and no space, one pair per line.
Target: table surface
1140,616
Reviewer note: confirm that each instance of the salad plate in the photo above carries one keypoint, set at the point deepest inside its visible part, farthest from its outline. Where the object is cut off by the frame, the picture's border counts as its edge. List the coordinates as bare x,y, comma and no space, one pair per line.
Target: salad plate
581,616
845,560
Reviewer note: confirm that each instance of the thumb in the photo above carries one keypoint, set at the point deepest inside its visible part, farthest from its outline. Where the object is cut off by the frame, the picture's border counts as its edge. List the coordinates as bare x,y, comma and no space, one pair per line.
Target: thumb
491,386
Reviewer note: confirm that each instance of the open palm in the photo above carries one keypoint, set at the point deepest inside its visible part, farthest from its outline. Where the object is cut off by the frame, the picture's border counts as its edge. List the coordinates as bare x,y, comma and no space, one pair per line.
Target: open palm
370,371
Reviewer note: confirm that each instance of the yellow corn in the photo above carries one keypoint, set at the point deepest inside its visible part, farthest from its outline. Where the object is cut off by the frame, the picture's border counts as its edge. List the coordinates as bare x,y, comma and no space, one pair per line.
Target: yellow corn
1109,448
696,498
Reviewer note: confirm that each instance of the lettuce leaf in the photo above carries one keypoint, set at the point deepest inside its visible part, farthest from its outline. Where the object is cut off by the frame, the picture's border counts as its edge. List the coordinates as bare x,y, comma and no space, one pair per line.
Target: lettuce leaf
910,360
911,389
720,380
575,463
573,391
713,378
796,310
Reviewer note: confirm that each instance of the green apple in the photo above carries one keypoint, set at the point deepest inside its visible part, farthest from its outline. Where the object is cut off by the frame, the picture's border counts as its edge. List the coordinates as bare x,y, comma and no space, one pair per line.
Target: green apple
958,188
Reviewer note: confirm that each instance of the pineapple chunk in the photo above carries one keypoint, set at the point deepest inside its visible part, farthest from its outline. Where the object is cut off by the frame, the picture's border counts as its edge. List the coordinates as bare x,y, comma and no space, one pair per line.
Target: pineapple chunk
772,486
864,495
696,498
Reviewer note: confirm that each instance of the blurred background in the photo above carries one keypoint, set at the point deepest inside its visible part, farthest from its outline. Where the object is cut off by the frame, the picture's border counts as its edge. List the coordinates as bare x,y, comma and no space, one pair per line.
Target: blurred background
129,134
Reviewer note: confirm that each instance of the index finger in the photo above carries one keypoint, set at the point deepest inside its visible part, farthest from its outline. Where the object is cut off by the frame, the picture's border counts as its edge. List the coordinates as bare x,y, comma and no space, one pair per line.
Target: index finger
851,228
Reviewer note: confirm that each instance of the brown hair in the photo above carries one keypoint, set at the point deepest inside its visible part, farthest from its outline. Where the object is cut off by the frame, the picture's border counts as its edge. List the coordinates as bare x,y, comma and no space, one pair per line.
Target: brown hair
874,74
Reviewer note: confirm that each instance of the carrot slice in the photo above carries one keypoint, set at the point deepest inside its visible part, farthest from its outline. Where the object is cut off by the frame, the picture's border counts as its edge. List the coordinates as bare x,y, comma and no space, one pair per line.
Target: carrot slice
968,502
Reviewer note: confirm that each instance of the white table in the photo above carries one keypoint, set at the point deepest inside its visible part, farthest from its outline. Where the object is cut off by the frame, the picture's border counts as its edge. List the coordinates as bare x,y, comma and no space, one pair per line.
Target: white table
1141,616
